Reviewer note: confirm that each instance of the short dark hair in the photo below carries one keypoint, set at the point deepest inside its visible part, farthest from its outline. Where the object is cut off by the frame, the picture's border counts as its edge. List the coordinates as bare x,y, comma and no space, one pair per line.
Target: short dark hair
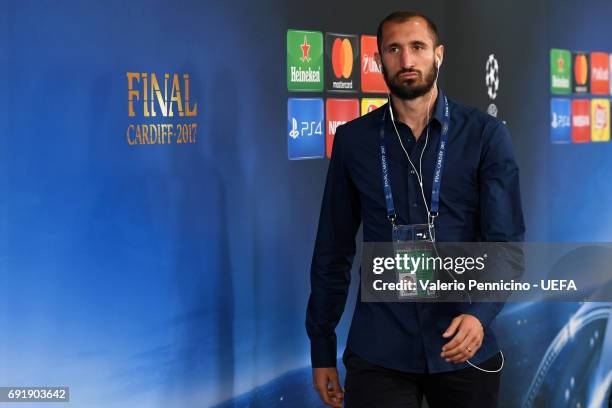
403,16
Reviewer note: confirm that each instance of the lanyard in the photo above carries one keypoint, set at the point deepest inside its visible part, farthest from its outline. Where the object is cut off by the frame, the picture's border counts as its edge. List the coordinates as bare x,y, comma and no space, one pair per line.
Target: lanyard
437,177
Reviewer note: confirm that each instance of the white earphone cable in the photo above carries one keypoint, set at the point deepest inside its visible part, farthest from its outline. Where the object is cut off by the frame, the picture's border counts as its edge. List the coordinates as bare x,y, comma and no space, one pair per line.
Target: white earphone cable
419,173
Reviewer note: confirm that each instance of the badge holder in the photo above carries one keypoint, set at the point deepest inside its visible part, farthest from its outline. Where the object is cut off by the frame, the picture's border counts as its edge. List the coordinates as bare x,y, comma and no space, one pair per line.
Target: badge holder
415,245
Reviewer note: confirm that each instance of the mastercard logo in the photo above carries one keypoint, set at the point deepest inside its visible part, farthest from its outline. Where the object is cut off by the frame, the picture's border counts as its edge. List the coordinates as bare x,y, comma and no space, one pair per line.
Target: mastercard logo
581,69
342,58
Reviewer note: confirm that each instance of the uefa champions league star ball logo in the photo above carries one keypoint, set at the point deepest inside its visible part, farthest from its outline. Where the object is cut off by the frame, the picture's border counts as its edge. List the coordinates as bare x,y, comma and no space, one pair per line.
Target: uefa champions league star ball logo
492,76
492,82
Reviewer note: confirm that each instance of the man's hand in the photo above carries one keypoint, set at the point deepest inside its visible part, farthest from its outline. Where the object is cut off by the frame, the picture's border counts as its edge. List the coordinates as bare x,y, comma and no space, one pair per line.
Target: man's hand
327,385
467,340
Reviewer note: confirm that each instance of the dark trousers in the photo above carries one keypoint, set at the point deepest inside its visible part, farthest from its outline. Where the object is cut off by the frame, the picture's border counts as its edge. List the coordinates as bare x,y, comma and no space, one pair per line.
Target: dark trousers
370,386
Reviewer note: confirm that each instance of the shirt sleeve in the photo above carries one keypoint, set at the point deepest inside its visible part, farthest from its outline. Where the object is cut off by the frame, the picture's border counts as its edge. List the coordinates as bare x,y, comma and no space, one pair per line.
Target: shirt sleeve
333,256
501,215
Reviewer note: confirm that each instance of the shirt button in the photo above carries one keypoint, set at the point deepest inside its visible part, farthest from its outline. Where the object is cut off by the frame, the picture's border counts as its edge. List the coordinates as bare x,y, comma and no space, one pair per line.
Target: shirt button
415,205
411,171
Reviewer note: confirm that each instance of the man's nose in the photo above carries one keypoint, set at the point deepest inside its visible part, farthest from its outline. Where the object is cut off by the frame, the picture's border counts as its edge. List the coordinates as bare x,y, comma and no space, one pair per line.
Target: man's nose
406,59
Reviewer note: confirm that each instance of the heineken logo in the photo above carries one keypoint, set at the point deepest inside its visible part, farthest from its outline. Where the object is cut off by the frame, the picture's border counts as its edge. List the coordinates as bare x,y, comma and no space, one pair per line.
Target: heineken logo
304,60
560,71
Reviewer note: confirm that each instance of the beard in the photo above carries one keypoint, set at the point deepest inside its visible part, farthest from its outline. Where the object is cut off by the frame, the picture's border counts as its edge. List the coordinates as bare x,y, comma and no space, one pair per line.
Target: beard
411,88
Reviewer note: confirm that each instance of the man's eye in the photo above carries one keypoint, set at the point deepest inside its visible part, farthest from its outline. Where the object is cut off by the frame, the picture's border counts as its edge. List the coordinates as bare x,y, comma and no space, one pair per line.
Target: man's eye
418,47
393,49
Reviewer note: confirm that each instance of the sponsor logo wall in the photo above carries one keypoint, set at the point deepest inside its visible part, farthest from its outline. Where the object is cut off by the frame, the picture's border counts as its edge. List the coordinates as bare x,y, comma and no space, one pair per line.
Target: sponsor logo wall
340,75
580,101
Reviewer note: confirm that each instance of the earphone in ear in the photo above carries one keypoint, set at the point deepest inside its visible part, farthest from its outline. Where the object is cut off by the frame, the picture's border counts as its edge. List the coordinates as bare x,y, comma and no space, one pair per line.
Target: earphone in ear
437,62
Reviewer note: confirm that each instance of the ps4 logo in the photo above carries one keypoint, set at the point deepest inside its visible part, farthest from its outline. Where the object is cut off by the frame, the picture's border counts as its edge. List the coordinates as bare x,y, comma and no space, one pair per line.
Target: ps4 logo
306,128
305,136
559,120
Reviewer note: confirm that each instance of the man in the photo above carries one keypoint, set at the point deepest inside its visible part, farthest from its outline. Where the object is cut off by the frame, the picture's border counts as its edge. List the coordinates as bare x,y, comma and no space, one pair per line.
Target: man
399,352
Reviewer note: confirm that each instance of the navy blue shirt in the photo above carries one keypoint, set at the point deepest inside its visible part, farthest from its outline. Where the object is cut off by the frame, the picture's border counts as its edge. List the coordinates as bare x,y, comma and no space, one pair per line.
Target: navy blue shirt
479,201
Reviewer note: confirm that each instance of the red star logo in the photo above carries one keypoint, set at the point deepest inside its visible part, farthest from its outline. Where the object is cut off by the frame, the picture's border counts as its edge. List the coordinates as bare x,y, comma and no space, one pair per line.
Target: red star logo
560,63
305,50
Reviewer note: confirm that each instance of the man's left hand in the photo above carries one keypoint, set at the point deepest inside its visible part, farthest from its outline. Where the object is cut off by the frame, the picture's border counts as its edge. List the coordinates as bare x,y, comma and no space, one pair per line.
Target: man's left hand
468,334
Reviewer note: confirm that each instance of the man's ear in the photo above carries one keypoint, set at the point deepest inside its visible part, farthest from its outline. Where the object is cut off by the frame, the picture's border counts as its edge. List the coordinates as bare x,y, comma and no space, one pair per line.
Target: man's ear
439,55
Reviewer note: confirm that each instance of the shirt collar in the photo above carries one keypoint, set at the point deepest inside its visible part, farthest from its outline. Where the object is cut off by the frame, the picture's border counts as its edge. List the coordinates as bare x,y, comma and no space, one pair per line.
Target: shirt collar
438,112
